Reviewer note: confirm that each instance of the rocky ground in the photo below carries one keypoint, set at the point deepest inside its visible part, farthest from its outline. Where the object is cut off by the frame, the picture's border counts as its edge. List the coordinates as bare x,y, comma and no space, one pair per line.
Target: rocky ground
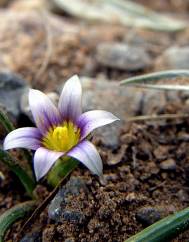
146,164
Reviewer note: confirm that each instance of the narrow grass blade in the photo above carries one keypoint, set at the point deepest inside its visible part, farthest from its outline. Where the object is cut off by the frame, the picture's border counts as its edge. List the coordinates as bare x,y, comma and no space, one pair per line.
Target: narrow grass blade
13,165
165,229
12,215
164,87
44,204
126,13
155,117
156,76
4,120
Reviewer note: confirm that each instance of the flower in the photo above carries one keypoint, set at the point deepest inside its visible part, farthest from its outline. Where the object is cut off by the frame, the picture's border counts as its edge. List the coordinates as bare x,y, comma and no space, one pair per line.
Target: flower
60,131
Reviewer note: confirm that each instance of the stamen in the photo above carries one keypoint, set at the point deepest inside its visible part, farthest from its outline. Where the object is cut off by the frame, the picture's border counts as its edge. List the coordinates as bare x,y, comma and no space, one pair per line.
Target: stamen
62,138
60,133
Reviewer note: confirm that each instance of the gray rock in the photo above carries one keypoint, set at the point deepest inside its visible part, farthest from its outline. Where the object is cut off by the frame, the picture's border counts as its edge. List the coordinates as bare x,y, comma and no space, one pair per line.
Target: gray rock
148,215
11,89
122,56
175,58
32,237
57,209
110,96
169,165
153,101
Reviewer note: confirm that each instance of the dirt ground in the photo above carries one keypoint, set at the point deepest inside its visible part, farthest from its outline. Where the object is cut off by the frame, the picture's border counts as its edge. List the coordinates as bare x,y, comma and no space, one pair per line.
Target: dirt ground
152,160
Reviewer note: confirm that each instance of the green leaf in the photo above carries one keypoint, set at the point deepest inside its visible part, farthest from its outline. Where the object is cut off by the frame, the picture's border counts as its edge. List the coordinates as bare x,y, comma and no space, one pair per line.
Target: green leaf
156,76
5,121
13,165
164,229
13,214
62,167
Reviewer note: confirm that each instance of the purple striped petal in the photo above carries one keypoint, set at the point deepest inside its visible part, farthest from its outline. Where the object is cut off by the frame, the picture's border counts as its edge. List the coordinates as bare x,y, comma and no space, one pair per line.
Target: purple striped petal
44,112
28,138
44,160
70,99
87,154
91,120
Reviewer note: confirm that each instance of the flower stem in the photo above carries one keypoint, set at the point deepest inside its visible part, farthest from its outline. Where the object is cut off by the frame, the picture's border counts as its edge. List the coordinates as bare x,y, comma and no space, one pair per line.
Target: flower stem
13,165
62,167
164,229
13,214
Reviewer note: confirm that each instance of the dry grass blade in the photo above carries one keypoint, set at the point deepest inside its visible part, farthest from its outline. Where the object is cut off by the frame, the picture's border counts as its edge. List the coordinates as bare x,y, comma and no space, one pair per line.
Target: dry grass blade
156,117
42,206
121,12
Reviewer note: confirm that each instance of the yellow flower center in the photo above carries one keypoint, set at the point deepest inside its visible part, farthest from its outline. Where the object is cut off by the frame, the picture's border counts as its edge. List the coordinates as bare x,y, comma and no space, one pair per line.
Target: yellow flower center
62,138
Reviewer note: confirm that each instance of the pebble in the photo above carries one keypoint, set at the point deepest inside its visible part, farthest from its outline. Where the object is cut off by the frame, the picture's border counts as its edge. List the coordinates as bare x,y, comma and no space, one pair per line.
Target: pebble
69,240
122,56
161,152
32,237
175,57
183,195
57,210
11,89
153,101
148,215
168,165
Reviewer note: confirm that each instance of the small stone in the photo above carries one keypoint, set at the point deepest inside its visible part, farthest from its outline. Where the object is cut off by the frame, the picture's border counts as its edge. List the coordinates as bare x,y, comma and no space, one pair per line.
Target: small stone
169,164
161,152
175,58
110,96
32,237
131,197
57,209
148,215
74,216
122,56
183,196
69,240
153,102
11,89
183,136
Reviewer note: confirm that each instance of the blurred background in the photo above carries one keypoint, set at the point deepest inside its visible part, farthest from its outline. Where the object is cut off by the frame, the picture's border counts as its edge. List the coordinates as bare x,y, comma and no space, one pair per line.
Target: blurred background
44,42
47,41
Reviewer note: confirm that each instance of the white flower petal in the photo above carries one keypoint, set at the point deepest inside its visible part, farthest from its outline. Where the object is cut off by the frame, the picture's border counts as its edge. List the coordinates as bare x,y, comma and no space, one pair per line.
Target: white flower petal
70,99
91,120
87,154
44,112
28,138
44,160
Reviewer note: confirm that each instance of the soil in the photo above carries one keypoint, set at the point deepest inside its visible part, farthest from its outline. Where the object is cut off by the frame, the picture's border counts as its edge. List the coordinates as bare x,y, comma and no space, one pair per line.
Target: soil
140,178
